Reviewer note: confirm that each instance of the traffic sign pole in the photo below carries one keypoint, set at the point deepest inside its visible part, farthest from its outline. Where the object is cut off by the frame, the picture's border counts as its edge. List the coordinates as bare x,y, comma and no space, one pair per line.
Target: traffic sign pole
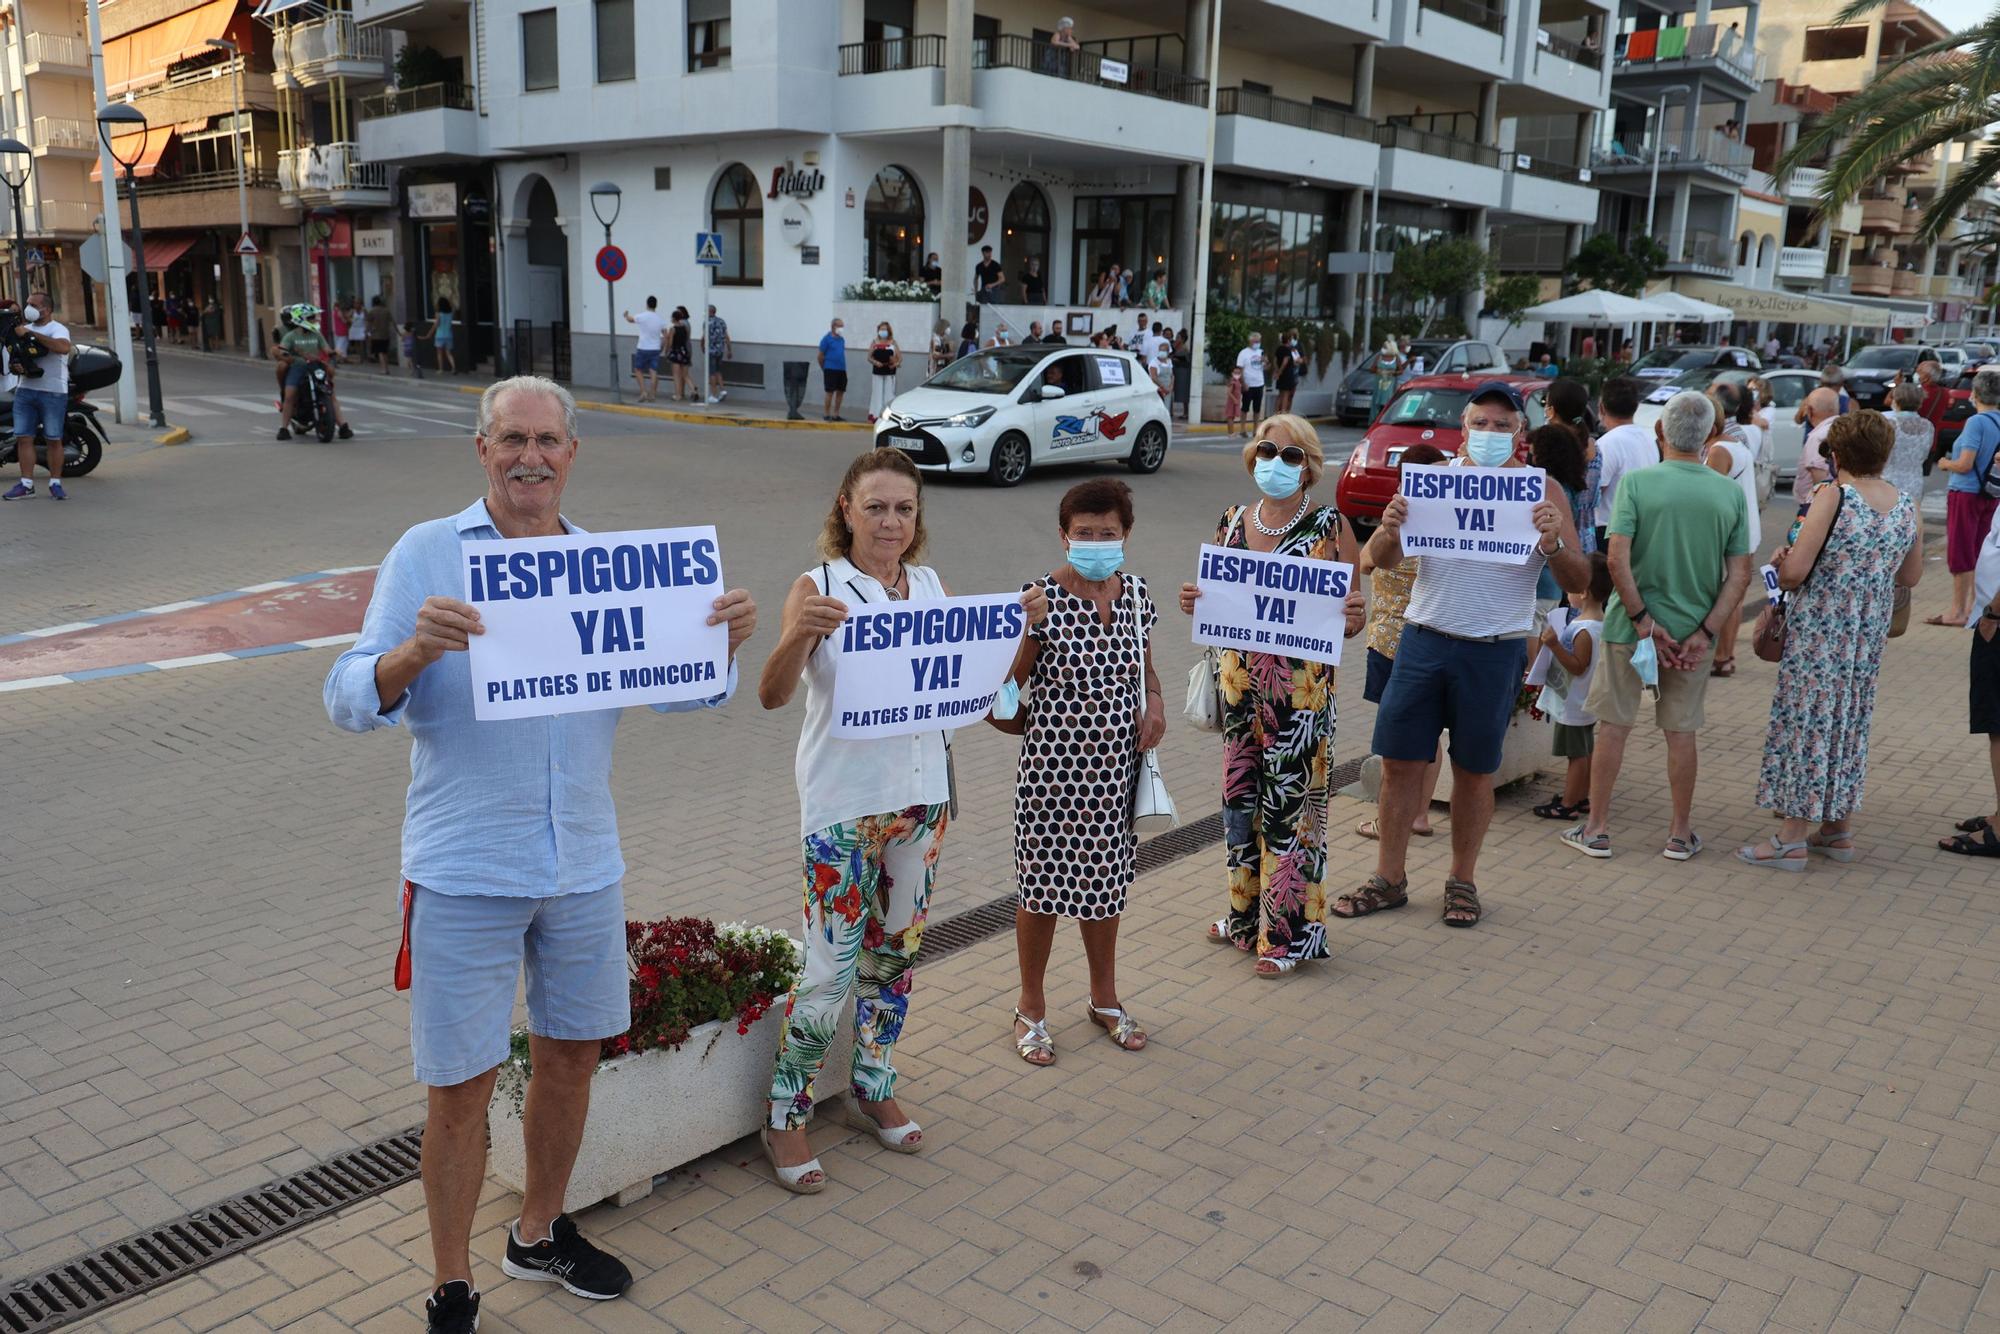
708,255
610,260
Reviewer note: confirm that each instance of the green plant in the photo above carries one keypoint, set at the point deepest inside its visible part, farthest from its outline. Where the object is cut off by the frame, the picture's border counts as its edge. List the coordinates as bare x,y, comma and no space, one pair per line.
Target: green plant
1436,272
1611,265
887,289
1509,297
1228,333
1592,371
417,66
685,972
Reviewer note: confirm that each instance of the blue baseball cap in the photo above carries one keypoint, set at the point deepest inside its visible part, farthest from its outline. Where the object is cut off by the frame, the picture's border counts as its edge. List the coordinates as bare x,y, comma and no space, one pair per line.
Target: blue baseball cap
1507,391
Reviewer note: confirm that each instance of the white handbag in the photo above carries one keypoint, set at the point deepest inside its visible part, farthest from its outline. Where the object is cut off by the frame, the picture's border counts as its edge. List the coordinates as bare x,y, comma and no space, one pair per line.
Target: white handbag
1203,709
1152,805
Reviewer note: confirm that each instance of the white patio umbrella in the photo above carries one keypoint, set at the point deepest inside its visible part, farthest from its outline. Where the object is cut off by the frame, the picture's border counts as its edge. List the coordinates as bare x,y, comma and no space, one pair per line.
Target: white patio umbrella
1689,310
1600,307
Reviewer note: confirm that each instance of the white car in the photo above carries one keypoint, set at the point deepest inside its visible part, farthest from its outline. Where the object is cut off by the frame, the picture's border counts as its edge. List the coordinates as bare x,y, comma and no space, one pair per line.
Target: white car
1003,410
1778,460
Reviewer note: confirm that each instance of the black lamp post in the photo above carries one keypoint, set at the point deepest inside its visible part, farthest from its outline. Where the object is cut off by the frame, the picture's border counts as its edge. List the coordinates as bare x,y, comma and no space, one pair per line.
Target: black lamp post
606,195
19,158
129,119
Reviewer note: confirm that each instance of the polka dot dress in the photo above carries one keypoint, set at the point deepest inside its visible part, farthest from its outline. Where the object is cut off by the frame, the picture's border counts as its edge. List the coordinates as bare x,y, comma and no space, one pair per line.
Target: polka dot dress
1073,837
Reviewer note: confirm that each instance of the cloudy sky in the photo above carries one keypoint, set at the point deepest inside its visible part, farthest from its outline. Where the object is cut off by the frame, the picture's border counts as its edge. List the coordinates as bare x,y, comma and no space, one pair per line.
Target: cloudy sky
1958,13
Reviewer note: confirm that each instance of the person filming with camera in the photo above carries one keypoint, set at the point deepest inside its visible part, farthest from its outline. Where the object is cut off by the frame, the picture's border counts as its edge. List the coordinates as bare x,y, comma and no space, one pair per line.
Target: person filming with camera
41,394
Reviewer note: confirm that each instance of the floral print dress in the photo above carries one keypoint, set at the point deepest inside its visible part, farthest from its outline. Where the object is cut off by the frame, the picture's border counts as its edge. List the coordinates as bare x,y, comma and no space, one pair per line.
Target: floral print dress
1277,731
1816,750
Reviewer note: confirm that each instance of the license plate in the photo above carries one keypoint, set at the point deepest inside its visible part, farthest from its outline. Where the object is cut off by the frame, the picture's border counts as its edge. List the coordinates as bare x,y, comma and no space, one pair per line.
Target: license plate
1392,458
910,443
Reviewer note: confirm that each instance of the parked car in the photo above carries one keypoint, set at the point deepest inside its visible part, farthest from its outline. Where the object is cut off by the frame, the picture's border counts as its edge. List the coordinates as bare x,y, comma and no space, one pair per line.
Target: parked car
1873,369
1002,410
1670,363
1441,356
1427,410
1978,351
1953,359
1778,459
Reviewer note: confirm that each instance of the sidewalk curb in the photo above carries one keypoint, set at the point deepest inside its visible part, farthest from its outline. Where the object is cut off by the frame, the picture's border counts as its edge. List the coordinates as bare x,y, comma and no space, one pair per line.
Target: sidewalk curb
1222,428
174,435
697,418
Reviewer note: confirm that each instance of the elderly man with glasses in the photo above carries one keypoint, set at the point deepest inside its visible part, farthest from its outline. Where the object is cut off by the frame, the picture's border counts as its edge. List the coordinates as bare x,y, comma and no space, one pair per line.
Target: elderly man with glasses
510,854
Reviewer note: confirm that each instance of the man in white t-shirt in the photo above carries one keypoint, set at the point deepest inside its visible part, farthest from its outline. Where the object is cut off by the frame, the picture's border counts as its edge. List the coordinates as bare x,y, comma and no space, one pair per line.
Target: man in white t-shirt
1623,447
1251,362
41,402
646,358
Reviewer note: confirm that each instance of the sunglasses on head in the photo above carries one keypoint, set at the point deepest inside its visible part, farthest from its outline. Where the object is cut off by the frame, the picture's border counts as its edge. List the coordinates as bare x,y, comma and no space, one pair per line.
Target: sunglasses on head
1291,454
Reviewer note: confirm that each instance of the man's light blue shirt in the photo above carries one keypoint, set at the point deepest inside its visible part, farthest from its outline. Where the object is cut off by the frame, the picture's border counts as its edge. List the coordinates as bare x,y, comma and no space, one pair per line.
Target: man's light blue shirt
518,807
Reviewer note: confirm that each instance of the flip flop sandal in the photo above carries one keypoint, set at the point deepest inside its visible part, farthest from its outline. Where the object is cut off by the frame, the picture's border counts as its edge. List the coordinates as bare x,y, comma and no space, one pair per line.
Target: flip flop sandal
1377,895
1830,846
1965,845
1780,858
1035,1042
1460,897
1121,1027
1367,829
1553,809
1725,667
1682,849
792,1178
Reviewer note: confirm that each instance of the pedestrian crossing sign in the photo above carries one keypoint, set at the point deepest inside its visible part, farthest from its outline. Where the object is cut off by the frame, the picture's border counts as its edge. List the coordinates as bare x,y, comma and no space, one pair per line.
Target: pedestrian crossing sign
708,249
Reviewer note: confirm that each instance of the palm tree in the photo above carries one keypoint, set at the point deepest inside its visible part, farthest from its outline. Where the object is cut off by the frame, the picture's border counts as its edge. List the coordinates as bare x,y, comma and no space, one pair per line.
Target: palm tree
1936,94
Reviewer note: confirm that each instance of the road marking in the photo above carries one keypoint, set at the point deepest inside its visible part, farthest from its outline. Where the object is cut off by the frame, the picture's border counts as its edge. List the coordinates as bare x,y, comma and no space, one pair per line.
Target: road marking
378,405
425,403
165,607
259,405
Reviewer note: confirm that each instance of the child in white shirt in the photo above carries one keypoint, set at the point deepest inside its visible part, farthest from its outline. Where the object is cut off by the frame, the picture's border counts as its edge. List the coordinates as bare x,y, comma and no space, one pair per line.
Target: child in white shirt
1574,650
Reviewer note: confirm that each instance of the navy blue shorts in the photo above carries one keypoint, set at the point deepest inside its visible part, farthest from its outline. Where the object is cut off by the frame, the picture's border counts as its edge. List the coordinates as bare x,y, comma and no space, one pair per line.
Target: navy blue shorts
1379,667
1444,684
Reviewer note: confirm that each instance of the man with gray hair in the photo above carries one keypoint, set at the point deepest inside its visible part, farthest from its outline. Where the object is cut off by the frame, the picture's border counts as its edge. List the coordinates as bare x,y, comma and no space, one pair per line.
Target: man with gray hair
1680,560
1816,413
510,854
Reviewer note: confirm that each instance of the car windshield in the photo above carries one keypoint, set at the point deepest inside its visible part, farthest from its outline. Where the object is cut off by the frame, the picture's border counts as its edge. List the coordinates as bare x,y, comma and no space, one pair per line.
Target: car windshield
1674,359
1700,379
1427,407
1430,348
1883,359
997,370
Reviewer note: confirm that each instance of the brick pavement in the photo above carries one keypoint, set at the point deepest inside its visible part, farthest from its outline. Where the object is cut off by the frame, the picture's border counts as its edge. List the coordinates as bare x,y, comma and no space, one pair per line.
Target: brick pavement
1640,1095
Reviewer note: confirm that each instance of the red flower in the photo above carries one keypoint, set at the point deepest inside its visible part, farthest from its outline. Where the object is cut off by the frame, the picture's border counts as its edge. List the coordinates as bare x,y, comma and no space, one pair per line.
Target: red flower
825,877
848,905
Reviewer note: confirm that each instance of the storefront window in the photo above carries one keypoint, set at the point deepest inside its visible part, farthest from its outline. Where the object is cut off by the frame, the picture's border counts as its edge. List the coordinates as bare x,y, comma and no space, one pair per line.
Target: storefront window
1268,248
738,212
893,226
1024,225
1135,232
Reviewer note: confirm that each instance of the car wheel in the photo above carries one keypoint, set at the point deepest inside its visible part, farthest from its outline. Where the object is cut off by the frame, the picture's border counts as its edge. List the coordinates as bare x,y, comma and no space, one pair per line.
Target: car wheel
1009,461
1150,450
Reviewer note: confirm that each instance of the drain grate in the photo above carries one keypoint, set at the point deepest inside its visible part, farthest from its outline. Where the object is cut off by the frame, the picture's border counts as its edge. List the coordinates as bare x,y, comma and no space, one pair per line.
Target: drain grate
86,1285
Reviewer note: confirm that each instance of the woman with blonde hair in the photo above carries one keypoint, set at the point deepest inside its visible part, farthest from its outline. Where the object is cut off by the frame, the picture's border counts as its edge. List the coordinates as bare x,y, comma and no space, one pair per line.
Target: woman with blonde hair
943,352
1277,728
872,815
1388,364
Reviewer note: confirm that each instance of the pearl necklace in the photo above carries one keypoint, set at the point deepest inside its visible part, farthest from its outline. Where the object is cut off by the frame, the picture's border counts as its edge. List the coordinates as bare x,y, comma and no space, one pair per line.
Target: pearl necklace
1257,521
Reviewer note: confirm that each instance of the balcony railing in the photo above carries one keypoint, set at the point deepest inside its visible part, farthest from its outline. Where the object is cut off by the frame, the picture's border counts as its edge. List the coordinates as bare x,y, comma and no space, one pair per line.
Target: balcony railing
921,52
1437,145
1691,44
326,168
1709,250
1713,150
1547,168
57,216
1286,111
1568,48
1803,184
334,37
255,178
1476,12
64,132
1801,262
1015,52
49,48
423,97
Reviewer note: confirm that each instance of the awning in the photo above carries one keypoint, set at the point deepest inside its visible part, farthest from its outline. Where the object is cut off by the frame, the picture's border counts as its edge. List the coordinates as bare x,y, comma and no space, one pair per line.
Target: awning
164,250
272,8
141,57
1756,303
158,140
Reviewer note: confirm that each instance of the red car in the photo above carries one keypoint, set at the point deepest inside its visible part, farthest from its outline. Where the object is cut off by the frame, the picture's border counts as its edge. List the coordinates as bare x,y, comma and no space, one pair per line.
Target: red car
1427,410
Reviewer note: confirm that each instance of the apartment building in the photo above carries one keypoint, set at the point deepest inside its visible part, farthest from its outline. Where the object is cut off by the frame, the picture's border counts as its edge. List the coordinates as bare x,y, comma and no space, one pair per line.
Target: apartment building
833,141
45,103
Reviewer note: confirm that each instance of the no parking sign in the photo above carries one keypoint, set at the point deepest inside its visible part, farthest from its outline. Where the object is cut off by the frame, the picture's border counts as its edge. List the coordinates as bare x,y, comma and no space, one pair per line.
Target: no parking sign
611,264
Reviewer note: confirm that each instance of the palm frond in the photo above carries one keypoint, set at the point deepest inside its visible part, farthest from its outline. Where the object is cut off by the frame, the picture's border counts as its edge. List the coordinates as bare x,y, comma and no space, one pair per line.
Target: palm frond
1974,176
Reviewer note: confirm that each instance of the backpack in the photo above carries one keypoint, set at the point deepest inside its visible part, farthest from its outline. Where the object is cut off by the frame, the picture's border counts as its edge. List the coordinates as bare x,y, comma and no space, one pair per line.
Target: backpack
1989,481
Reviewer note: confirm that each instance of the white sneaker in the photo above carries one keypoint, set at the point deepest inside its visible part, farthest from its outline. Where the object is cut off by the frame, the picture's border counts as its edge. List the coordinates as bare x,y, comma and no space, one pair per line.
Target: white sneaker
714,400
724,394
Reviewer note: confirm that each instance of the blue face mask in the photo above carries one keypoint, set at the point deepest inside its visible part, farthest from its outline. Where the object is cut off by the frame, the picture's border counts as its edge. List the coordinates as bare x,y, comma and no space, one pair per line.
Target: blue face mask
1096,560
1278,479
1646,663
1489,449
1008,702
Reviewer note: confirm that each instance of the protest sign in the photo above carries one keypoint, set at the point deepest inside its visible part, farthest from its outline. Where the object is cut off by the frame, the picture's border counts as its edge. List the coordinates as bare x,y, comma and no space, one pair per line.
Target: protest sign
1484,514
1261,603
903,667
1772,592
595,621
1538,670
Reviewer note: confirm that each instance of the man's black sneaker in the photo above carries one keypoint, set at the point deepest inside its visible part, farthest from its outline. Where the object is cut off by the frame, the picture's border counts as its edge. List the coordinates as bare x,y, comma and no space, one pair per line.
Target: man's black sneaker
346,431
453,1309
568,1259
284,433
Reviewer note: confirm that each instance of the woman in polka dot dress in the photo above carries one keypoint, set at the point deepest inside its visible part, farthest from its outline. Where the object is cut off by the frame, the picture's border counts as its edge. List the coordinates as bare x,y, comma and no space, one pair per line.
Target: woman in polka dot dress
1277,720
1093,704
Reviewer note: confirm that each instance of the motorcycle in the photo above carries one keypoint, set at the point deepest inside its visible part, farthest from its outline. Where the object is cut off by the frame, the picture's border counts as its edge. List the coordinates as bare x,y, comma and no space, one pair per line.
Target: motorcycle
313,409
83,435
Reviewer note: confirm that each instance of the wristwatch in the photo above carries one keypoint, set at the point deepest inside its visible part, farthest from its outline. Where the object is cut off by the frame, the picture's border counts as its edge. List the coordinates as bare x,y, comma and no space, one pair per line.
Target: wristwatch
1560,546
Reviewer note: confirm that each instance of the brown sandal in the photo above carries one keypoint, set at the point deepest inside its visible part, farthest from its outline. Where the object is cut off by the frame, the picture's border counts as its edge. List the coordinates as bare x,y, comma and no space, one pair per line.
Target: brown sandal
1378,895
1460,897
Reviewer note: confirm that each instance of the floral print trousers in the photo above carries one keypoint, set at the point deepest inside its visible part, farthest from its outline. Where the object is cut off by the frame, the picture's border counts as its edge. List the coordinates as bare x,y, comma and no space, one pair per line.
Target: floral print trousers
1277,727
867,891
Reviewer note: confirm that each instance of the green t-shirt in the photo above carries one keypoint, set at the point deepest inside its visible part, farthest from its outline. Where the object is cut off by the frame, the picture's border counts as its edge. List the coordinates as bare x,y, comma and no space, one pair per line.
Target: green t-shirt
1685,520
304,344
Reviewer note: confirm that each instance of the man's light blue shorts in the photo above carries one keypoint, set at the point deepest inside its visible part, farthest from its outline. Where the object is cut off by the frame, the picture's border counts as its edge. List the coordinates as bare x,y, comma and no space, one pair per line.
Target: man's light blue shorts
466,952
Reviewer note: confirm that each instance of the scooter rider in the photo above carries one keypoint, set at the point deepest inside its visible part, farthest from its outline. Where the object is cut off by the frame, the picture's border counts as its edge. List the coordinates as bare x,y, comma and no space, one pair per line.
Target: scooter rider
297,350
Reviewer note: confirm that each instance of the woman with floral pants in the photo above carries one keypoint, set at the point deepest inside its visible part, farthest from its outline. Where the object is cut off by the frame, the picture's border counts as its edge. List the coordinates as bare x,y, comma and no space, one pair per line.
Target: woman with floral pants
871,813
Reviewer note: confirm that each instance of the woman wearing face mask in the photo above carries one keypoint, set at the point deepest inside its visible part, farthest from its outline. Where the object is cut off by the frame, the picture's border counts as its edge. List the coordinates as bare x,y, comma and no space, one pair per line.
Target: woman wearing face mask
1277,723
872,814
1291,364
941,348
1093,704
884,359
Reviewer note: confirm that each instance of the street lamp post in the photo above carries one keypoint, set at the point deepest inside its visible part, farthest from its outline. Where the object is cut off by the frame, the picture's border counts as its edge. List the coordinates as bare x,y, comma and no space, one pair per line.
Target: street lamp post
18,155
606,195
243,140
126,115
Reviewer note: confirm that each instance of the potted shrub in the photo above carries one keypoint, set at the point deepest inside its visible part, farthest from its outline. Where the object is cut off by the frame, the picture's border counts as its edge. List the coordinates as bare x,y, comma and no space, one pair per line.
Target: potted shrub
692,1073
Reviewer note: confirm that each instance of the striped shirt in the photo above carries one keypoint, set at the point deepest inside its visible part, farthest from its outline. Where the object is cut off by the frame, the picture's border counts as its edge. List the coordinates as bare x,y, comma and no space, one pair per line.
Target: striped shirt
1474,599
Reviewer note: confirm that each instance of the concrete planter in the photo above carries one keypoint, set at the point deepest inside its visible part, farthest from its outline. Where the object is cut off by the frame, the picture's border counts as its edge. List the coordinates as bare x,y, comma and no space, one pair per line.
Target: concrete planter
656,1110
912,321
